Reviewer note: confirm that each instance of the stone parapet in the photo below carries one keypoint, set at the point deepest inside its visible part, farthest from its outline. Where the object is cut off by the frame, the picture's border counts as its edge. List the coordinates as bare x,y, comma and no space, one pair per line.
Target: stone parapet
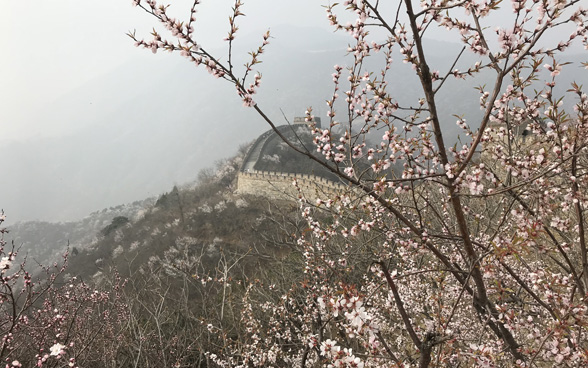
278,185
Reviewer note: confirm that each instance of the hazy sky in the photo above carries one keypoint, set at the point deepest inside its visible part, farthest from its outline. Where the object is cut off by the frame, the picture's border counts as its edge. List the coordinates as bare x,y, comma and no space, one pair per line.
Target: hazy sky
52,47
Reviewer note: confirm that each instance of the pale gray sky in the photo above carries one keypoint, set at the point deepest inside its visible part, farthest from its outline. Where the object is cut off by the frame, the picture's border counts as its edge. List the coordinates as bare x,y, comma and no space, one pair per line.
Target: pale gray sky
53,47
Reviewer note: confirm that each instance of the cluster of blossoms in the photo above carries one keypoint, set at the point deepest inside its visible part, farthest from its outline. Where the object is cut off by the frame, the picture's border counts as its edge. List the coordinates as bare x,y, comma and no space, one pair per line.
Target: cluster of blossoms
6,262
352,308
37,313
339,358
56,352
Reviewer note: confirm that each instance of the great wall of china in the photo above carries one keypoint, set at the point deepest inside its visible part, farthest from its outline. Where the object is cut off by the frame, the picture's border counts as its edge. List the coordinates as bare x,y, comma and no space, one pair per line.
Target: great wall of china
277,185
280,185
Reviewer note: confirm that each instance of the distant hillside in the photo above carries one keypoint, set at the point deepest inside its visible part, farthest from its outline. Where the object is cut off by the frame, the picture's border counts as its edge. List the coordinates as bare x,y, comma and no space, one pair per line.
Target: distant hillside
186,230
205,215
46,242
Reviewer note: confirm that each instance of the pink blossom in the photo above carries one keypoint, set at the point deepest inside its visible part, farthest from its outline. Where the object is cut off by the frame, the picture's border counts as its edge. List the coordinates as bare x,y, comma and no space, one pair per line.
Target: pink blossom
506,39
57,349
555,70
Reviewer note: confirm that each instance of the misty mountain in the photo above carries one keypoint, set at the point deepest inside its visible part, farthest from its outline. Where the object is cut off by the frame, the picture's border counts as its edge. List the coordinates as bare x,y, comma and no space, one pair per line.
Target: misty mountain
46,242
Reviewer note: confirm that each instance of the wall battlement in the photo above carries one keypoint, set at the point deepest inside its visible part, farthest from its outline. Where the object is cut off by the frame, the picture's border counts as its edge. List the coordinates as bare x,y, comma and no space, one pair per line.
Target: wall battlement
279,185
